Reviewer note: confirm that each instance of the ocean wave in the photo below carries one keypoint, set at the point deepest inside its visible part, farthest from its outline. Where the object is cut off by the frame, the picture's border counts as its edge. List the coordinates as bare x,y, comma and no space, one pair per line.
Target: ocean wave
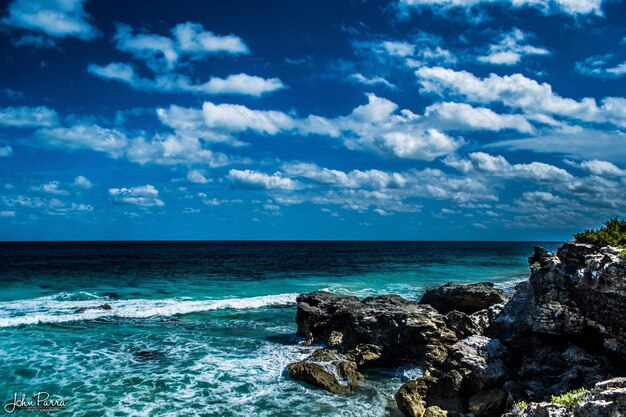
61,308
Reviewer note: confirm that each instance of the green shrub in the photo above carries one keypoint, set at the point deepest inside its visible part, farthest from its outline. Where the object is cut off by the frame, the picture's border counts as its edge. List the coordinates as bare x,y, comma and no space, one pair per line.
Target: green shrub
572,398
613,233
519,407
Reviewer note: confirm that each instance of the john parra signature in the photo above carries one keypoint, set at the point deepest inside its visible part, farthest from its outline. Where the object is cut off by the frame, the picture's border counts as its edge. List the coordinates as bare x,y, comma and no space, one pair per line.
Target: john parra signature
40,402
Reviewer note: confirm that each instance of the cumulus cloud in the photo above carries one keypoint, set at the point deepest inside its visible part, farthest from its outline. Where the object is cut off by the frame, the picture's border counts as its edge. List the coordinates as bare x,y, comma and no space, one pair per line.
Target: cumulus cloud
82,182
198,176
54,18
28,117
162,53
570,7
536,171
5,151
259,180
602,168
52,187
375,126
83,136
603,66
510,50
362,79
449,115
372,178
237,84
519,92
143,196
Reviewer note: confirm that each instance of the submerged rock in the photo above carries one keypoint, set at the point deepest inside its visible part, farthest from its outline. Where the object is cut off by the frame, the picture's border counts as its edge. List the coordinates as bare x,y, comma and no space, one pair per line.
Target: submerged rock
100,307
468,298
327,369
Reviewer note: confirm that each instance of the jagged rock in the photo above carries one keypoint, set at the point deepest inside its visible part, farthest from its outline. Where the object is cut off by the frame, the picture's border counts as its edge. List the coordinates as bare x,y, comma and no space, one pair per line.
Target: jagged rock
335,339
365,354
478,360
327,369
435,411
490,402
464,325
444,391
468,298
515,393
100,307
404,330
409,400
543,409
608,401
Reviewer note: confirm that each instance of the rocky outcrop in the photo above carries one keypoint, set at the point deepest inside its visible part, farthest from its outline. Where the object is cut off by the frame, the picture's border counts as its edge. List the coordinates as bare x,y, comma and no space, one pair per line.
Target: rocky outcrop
607,399
563,329
468,298
327,369
400,330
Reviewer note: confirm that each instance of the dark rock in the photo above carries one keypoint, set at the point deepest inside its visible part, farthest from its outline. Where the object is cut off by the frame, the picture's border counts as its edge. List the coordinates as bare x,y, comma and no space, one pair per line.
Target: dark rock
464,325
468,298
327,369
444,391
148,355
100,307
488,403
404,330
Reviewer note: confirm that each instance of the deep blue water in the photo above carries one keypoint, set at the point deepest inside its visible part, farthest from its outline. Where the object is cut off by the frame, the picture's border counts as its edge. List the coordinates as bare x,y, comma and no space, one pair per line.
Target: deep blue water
205,328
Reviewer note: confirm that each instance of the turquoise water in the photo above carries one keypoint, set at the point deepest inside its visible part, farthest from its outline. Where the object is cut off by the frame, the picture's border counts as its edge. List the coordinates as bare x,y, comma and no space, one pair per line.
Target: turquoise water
205,328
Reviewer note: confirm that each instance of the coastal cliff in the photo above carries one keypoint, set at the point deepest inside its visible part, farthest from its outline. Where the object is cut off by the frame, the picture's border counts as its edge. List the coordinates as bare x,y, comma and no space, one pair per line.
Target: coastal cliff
481,353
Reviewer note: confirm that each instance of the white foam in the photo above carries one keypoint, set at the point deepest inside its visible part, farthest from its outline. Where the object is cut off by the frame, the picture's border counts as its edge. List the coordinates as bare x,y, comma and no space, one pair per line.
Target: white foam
56,309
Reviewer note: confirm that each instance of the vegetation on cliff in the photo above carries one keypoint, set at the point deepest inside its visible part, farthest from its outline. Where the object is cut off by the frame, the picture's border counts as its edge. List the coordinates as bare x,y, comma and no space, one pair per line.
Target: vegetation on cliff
613,233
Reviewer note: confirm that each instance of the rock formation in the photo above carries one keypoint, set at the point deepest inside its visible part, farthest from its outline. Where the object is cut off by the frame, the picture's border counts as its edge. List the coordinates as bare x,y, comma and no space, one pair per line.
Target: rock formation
480,353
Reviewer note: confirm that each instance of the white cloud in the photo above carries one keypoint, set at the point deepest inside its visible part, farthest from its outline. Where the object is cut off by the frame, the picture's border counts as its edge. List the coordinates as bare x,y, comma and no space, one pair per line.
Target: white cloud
510,49
398,48
237,84
6,151
602,168
375,126
448,115
7,213
163,53
238,118
52,187
143,196
519,92
576,143
82,136
28,117
55,18
571,7
173,150
198,176
603,66
362,79
82,182
536,171
259,180
372,178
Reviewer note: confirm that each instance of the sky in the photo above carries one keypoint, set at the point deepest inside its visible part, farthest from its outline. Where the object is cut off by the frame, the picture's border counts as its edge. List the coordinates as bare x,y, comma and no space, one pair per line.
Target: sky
339,120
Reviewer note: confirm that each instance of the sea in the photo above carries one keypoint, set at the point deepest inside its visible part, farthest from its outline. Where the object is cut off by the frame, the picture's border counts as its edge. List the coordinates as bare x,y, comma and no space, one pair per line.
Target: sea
205,328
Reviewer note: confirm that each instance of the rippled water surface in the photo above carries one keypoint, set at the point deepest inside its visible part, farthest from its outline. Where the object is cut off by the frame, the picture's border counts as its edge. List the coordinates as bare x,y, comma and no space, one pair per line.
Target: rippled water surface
205,328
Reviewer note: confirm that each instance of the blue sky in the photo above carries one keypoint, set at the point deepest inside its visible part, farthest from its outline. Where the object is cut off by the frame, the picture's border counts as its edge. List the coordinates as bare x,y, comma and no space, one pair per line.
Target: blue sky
408,119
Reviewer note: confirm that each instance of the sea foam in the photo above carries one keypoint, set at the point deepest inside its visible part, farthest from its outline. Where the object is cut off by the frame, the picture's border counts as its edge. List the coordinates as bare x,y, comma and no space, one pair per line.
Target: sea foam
60,308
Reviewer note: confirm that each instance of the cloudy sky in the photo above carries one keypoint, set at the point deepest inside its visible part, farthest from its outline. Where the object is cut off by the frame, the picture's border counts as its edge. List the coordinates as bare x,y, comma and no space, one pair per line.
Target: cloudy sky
408,119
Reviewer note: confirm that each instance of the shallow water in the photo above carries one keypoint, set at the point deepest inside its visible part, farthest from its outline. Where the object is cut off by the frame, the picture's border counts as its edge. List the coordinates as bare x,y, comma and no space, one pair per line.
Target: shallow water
205,328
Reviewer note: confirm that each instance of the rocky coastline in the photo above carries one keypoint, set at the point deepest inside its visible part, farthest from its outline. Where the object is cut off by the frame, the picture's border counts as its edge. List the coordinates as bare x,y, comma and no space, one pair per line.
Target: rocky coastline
482,353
